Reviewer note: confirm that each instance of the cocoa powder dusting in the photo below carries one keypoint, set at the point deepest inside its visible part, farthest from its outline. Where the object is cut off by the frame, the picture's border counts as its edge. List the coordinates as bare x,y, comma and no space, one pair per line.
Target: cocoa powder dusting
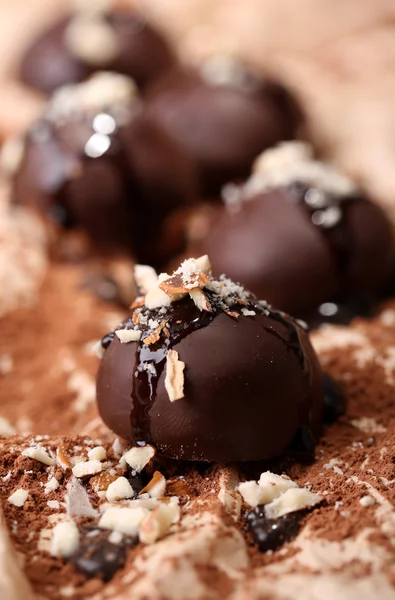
49,391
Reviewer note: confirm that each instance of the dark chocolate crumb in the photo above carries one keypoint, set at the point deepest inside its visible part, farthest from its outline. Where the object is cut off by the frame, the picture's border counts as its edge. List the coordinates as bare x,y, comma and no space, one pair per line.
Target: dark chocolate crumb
270,534
97,556
138,481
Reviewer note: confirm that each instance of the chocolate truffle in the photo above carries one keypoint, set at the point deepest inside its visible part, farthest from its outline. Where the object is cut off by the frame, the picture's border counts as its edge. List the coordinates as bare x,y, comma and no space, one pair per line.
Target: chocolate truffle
223,117
299,234
95,38
96,161
204,371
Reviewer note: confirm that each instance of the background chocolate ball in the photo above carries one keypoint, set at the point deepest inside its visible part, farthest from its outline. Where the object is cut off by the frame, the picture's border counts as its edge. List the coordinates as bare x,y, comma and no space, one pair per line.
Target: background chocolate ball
120,196
223,128
250,385
49,63
272,245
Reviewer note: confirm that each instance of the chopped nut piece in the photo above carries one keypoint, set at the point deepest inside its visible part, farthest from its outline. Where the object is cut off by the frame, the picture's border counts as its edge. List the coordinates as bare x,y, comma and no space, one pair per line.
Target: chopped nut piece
146,278
139,456
119,490
100,482
157,523
86,468
128,335
97,453
200,299
156,488
65,539
232,313
178,284
154,337
203,264
174,380
251,492
61,457
273,485
123,519
291,500
156,298
40,455
51,485
269,487
18,498
248,313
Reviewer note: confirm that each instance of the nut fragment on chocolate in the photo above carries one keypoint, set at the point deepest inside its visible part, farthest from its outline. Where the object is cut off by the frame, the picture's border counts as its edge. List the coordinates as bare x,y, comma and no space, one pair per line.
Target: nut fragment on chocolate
250,381
174,380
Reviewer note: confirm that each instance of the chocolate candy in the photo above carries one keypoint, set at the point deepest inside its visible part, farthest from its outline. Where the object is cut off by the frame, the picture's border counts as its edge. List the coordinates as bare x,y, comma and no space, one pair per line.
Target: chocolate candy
97,161
223,123
206,372
95,39
300,234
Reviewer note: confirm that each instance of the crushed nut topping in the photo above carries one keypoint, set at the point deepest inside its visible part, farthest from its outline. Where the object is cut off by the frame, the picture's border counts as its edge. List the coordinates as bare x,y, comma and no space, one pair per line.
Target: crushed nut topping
278,493
287,163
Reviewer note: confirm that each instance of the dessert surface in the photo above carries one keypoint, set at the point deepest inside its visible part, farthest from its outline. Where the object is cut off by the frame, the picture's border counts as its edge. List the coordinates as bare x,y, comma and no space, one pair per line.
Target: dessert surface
343,545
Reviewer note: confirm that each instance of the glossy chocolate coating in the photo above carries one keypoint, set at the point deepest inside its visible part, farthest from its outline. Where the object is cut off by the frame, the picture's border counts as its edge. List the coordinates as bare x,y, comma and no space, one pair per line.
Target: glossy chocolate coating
120,198
250,384
223,128
272,245
143,55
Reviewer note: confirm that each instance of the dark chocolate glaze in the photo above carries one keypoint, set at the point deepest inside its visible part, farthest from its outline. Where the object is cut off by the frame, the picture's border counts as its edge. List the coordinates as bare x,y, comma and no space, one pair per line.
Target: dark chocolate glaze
222,128
120,198
271,245
249,384
143,55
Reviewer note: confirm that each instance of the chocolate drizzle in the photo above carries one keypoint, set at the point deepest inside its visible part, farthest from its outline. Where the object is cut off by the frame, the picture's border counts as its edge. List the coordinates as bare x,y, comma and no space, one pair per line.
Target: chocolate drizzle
183,318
